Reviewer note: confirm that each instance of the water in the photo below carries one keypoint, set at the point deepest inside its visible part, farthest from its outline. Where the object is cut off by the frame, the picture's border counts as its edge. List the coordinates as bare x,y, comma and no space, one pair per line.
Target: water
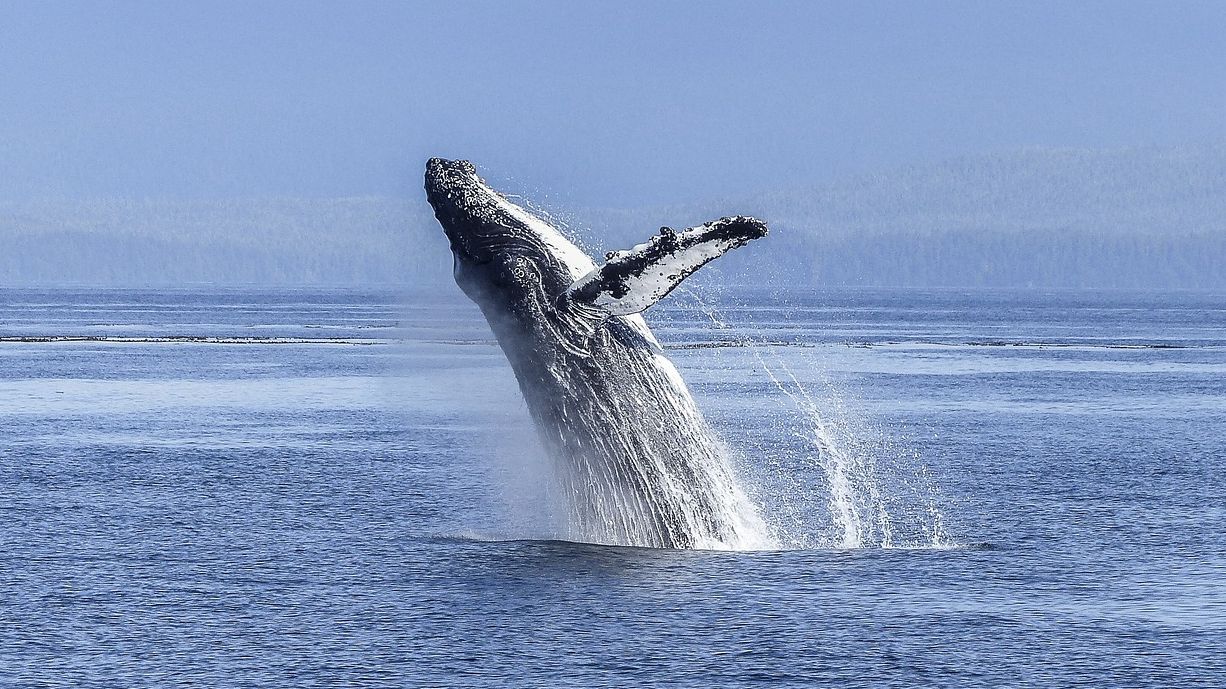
976,489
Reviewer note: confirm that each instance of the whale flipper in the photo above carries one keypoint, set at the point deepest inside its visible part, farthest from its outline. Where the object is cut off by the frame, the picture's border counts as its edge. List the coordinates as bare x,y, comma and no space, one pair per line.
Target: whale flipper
630,281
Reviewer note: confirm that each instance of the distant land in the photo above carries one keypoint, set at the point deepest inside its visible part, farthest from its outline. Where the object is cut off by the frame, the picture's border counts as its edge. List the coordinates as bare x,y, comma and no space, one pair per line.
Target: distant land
1042,218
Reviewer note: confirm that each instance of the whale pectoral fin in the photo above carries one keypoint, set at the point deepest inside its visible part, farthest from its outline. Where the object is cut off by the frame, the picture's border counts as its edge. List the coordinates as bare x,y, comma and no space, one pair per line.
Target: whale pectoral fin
630,281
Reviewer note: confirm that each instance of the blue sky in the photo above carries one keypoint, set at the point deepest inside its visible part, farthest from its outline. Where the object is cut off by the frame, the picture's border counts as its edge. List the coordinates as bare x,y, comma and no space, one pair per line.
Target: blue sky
617,104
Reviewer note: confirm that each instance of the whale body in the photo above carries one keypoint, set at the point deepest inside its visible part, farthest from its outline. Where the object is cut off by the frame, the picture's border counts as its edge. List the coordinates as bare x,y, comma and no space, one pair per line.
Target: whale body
637,463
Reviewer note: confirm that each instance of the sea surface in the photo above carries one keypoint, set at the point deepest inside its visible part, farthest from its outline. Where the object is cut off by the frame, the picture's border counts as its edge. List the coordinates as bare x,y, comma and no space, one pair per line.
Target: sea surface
245,488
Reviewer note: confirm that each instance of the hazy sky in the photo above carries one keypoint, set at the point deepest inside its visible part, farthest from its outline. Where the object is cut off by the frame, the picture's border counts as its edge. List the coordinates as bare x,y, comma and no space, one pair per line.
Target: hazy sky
618,103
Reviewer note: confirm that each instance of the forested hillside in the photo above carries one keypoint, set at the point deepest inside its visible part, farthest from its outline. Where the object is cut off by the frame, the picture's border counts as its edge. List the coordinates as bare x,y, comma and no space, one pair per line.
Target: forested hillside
1129,218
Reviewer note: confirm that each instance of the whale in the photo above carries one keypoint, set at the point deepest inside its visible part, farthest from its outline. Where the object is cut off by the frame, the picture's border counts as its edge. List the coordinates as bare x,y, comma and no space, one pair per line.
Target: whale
634,459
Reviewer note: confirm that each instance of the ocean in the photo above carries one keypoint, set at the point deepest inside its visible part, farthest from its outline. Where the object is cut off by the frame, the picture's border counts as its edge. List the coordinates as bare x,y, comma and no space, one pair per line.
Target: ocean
296,488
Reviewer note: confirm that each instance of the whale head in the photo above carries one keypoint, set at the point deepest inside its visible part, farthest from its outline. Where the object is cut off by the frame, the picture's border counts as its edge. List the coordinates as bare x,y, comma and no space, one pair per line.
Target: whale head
515,266
501,251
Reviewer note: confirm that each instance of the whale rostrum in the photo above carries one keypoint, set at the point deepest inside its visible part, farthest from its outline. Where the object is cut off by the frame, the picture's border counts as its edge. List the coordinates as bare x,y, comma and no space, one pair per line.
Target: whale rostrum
635,462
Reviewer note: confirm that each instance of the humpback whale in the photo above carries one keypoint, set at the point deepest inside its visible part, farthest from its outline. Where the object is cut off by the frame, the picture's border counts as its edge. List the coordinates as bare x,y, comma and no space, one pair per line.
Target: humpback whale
637,463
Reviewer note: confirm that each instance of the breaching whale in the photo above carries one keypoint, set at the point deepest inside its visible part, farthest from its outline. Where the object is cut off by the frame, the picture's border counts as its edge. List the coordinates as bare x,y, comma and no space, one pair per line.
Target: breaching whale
637,462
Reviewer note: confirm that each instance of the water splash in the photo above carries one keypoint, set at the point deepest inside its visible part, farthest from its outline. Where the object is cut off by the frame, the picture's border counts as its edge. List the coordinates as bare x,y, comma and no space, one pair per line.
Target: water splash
664,479
876,492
